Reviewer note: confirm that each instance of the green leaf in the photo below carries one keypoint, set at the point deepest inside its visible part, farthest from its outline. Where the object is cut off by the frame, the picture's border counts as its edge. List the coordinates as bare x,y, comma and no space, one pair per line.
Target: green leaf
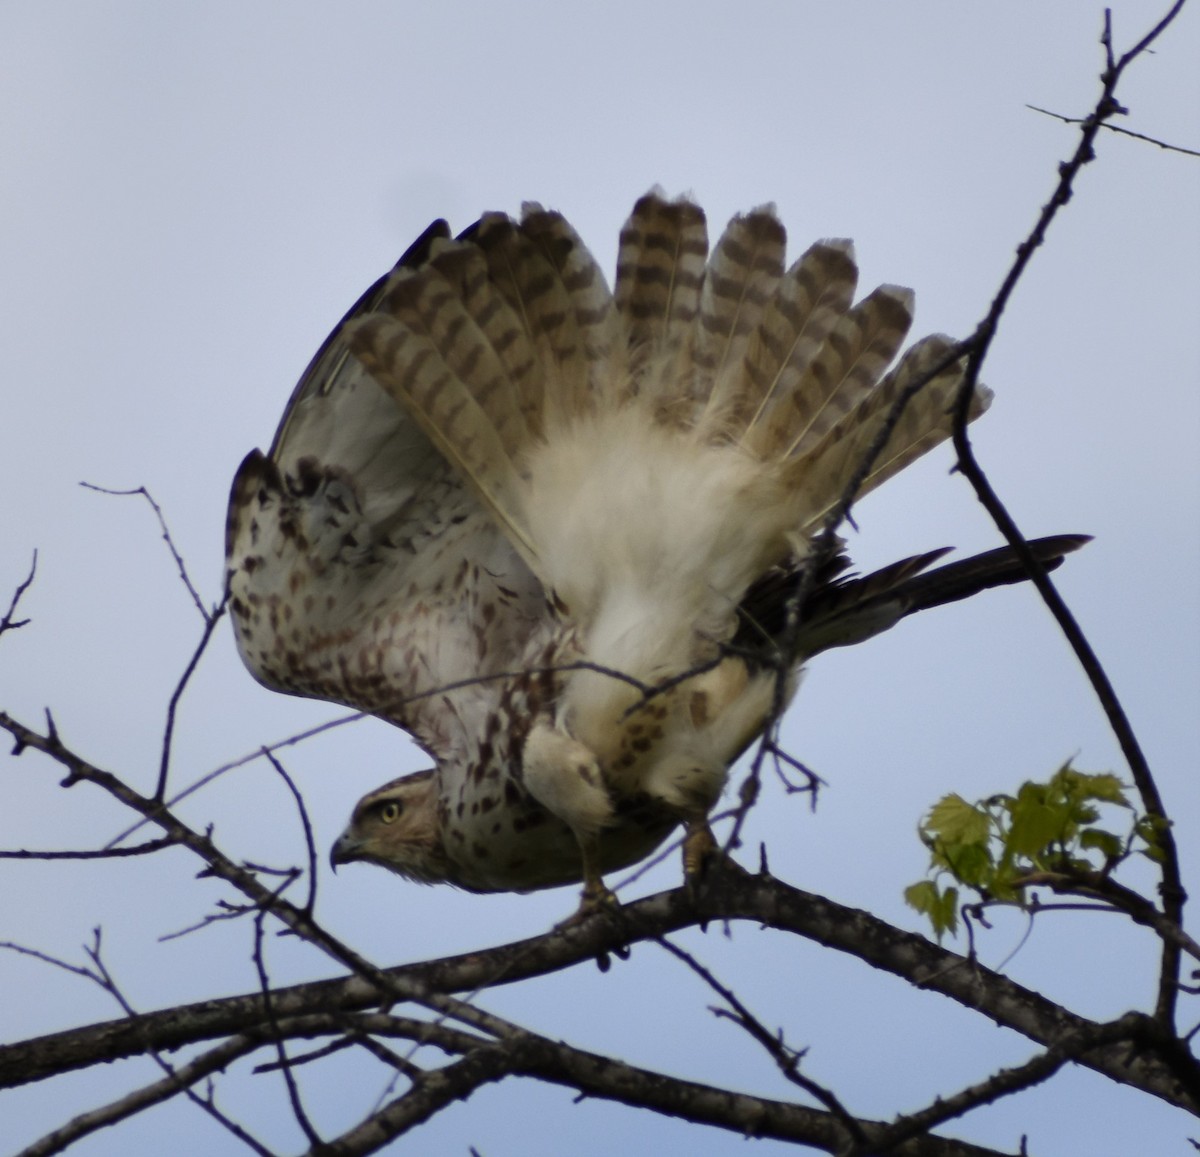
922,896
956,821
940,907
945,919
970,864
1034,826
1105,787
1107,844
1148,829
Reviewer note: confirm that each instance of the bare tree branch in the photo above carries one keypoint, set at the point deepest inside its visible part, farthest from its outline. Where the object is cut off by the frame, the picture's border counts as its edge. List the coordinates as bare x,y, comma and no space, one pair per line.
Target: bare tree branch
728,895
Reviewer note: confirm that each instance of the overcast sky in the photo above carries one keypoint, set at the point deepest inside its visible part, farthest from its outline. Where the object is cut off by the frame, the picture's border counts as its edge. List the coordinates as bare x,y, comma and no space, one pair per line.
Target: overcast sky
191,196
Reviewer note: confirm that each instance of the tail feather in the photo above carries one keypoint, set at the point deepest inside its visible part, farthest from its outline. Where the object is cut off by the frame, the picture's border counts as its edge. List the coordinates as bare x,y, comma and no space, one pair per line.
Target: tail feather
842,375
844,609
660,274
595,353
810,298
739,282
854,609
825,472
523,277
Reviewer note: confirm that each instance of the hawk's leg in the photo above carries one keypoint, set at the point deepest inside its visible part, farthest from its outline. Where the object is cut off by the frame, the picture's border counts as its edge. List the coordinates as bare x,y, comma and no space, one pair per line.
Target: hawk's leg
597,896
596,893
699,847
565,778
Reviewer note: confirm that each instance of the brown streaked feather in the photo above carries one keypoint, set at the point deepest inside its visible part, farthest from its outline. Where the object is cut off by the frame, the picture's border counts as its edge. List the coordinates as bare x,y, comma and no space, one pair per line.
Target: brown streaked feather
418,352
845,370
591,305
854,358
740,279
482,344
522,277
508,377
809,300
660,272
825,472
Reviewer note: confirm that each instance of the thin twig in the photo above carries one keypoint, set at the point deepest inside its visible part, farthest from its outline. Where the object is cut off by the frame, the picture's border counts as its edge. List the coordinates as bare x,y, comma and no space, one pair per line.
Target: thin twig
305,823
1117,129
216,773
277,1038
1003,1083
166,535
46,958
8,623
210,625
787,1059
228,912
94,854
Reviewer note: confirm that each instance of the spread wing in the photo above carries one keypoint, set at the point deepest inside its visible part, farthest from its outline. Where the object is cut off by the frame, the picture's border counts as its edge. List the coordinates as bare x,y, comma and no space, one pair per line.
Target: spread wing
362,571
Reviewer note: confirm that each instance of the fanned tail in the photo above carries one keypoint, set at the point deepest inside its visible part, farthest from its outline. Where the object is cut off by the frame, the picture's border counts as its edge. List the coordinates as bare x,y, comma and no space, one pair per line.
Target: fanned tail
513,356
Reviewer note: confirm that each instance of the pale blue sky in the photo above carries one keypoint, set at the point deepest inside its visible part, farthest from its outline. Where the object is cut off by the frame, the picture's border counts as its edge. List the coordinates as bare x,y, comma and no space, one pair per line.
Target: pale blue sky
190,197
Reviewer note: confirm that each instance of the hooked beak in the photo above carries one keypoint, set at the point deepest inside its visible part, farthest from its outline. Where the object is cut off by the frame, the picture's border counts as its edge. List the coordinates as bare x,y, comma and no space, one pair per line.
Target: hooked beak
345,850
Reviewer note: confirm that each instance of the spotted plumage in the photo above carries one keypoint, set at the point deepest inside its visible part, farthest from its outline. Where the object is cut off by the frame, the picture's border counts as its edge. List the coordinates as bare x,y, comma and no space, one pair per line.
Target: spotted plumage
505,505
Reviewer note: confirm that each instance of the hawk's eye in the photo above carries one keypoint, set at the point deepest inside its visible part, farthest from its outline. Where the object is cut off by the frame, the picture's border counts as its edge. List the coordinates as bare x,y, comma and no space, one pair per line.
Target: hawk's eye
390,811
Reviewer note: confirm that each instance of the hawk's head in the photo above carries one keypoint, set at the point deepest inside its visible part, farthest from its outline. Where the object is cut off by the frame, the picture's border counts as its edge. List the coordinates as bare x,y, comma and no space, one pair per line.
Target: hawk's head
397,827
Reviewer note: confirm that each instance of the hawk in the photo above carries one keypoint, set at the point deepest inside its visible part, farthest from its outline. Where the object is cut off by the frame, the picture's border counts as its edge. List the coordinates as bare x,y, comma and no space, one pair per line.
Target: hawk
552,530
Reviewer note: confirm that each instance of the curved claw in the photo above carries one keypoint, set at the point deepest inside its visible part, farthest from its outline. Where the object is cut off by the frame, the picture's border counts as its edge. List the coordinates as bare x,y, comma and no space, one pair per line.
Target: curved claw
596,895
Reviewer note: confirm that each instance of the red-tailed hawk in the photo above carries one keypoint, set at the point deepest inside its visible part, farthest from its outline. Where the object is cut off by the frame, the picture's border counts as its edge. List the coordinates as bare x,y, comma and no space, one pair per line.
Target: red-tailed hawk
505,504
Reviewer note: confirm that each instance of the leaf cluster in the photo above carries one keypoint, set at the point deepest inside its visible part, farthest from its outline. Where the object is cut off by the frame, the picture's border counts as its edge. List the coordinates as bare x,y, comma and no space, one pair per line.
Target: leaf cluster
999,847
